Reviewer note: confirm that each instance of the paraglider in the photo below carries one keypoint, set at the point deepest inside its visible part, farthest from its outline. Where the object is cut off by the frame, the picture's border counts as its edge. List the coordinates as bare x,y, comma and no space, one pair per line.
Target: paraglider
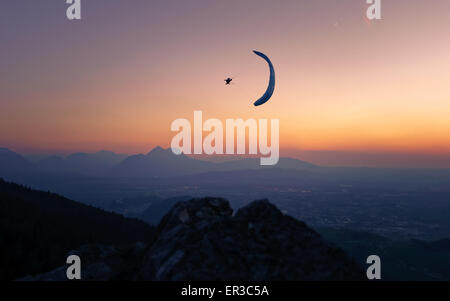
270,89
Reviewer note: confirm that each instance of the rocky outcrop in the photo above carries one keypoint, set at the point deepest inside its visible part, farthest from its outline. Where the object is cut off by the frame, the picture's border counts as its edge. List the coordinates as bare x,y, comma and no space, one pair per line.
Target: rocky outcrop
201,239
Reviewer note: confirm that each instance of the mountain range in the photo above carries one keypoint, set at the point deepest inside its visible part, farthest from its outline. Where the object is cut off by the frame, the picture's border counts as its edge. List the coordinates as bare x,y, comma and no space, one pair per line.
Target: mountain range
157,163
11,162
95,164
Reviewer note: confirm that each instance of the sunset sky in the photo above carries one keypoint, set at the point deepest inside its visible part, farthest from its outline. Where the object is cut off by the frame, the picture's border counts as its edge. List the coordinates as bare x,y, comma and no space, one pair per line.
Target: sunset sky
117,79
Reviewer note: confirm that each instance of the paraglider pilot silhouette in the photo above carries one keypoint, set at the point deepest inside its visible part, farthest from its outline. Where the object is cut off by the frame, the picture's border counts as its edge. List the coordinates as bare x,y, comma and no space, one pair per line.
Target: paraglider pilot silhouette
271,87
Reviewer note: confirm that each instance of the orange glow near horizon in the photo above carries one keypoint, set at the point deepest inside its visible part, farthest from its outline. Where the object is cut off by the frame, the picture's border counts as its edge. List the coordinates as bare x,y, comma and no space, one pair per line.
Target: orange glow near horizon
346,87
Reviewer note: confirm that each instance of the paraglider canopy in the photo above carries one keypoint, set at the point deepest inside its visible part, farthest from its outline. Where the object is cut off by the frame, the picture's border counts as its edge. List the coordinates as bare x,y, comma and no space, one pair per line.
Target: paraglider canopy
271,87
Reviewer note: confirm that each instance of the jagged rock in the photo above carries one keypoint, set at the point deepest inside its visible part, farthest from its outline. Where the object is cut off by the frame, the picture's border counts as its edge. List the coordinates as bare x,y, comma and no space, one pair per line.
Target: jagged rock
201,240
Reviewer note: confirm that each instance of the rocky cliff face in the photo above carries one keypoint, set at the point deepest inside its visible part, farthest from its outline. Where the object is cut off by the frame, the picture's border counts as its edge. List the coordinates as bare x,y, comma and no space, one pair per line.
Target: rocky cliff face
202,240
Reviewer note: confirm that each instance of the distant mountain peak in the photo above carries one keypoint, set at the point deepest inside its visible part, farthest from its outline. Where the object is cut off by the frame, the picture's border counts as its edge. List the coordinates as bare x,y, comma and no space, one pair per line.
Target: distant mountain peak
158,150
13,162
162,152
